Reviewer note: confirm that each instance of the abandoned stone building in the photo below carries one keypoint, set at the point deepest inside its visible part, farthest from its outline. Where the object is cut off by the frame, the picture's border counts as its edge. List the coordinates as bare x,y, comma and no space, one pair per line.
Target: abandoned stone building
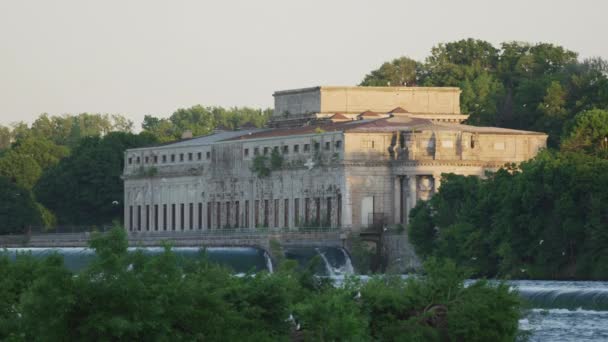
330,157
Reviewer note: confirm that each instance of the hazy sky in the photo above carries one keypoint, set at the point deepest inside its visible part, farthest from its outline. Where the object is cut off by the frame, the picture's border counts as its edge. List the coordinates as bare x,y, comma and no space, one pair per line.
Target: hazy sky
138,57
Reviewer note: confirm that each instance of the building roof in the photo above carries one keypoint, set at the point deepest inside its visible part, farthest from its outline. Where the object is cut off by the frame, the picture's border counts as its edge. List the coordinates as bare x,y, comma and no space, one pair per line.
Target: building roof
369,113
398,110
339,116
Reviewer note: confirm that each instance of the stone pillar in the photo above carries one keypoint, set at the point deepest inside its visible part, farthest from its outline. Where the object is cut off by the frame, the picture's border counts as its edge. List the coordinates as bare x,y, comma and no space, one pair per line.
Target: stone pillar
412,194
436,183
397,199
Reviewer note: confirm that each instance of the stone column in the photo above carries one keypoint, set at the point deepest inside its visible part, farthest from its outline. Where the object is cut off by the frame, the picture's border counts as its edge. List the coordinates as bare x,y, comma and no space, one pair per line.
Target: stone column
436,183
412,194
397,199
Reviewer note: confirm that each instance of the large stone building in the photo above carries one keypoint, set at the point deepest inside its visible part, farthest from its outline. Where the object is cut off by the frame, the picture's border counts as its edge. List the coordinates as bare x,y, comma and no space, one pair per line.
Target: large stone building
331,157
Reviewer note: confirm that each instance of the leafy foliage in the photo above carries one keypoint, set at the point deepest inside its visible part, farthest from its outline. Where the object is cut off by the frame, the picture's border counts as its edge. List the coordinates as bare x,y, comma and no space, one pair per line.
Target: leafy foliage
545,220
125,295
81,188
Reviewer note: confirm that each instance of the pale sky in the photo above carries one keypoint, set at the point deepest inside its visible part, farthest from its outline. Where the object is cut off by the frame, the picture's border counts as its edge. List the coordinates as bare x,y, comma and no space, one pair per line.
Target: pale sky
137,57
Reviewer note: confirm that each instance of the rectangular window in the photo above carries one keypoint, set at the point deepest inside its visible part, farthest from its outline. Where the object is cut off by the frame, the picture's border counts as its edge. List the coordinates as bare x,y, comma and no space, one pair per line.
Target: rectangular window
246,152
190,156
328,215
164,217
246,214
181,157
306,211
181,216
208,155
296,211
296,148
200,215
286,213
130,161
237,213
256,151
191,216
199,155
306,147
266,213
131,218
173,216
218,213
256,211
147,217
209,210
339,211
227,225
139,217
327,146
338,144
265,150
164,158
155,159
285,149
173,158
317,146
275,149
146,159
276,213
318,210
138,160
156,217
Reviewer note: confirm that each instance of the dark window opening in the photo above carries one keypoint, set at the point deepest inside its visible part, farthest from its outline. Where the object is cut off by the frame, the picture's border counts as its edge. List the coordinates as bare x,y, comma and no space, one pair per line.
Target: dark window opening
146,159
257,213
317,146
246,214
208,155
181,157
339,211
327,145
138,160
237,213
328,215
164,217
306,147
296,211
285,149
218,213
131,218
200,215
173,216
256,151
173,158
265,150
318,210
181,216
276,212
286,213
227,225
139,217
306,211
191,216
147,217
156,217
130,160
164,158
155,159
296,148
190,156
266,213
209,215
199,156
339,144
246,152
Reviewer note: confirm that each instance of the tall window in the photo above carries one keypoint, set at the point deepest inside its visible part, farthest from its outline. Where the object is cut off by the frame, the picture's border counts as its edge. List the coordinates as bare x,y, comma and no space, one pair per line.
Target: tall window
227,225
266,213
286,213
328,217
307,211
318,210
173,216
131,218
147,217
276,212
164,217
246,214
139,217
200,215
156,217
191,216
209,212
237,213
296,211
181,216
218,213
257,213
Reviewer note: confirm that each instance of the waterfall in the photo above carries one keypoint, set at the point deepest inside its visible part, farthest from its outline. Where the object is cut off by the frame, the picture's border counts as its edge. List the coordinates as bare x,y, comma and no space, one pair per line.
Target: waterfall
328,268
348,265
268,262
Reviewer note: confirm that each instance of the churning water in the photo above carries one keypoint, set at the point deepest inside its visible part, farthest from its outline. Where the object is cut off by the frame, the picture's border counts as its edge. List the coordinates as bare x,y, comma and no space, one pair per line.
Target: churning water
565,310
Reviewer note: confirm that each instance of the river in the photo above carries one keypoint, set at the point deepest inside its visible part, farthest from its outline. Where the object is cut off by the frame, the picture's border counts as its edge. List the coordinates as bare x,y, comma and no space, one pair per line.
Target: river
558,310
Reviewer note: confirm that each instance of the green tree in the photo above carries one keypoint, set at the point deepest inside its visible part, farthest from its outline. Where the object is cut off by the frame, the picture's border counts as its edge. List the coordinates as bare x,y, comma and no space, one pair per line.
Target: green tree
22,169
589,133
18,209
81,189
398,72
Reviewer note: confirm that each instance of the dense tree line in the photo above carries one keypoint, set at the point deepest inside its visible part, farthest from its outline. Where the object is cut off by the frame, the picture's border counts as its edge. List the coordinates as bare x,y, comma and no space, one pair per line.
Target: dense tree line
66,169
124,296
537,87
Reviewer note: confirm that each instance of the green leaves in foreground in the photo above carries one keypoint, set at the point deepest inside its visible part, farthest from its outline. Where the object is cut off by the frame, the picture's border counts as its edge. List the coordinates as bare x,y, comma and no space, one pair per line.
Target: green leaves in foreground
131,296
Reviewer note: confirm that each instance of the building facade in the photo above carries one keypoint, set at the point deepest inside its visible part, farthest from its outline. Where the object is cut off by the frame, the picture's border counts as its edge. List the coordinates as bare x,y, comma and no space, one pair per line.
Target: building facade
343,157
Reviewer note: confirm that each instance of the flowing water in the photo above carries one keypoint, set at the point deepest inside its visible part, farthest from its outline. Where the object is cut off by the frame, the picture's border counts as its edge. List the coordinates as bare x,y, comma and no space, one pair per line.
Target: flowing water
557,310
